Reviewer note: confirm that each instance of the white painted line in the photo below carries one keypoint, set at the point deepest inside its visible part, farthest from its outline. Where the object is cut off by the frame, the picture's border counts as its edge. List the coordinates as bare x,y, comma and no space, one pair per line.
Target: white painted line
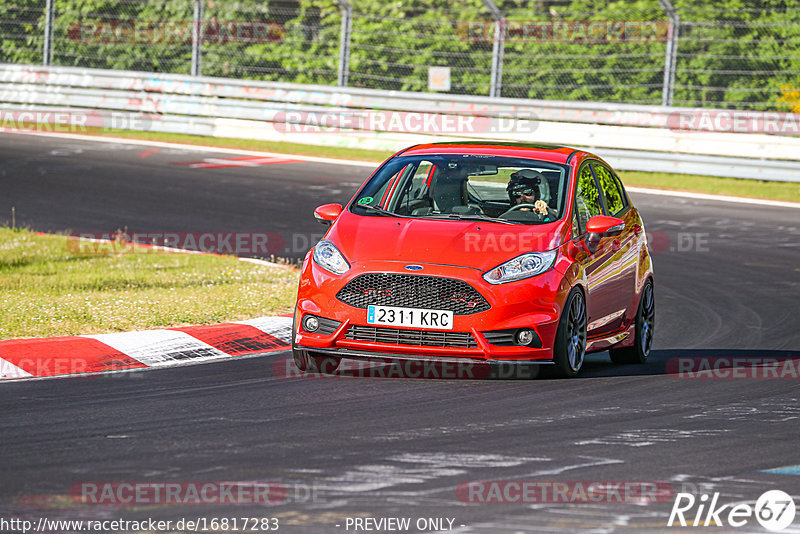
333,161
280,327
225,162
717,198
9,370
134,244
160,348
200,148
256,261
217,162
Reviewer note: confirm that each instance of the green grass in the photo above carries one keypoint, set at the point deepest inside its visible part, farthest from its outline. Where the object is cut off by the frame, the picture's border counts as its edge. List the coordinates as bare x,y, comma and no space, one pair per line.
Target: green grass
786,191
47,289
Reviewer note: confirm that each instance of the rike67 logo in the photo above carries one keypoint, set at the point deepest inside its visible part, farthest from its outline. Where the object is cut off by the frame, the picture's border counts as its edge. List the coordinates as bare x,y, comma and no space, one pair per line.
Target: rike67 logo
774,510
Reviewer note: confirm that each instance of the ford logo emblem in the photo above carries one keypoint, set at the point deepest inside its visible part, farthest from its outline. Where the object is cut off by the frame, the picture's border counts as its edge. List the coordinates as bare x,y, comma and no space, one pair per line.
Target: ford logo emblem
414,267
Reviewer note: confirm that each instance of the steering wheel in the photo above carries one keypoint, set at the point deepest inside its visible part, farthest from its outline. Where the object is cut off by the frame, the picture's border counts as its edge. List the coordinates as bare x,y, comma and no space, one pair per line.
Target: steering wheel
522,206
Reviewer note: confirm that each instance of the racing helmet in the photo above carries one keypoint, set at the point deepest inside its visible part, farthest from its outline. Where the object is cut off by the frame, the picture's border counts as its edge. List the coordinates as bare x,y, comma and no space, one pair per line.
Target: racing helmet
528,179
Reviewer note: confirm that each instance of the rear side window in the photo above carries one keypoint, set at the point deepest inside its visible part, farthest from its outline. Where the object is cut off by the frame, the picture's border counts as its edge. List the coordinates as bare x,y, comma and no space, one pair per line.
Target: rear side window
587,198
613,193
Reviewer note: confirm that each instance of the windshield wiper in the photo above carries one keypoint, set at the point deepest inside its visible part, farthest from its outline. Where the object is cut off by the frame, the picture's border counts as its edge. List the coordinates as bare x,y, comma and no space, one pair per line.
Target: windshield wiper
385,213
464,217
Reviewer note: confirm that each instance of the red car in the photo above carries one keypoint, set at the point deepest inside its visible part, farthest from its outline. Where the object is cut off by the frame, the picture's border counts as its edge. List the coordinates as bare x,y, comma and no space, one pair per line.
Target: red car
480,252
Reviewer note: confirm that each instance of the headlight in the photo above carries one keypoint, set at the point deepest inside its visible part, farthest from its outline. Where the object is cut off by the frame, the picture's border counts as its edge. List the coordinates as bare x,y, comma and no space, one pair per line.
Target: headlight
521,267
328,257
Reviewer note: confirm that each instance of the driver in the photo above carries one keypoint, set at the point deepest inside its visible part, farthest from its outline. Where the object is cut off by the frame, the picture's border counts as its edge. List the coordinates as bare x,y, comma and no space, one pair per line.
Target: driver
528,186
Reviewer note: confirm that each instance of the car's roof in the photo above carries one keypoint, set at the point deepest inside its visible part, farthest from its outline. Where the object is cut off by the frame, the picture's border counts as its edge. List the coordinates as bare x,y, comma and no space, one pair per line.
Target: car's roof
554,153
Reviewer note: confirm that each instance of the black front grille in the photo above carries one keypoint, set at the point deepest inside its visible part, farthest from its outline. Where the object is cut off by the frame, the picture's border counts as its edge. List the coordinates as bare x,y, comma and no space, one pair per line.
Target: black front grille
501,338
419,338
413,291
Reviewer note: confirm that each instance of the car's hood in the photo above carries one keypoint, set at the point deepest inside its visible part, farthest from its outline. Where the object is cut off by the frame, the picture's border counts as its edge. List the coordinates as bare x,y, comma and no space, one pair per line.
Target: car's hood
479,245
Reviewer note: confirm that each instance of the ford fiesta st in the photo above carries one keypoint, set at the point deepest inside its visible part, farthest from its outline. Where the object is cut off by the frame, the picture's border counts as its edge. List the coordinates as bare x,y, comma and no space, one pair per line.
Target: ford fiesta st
480,252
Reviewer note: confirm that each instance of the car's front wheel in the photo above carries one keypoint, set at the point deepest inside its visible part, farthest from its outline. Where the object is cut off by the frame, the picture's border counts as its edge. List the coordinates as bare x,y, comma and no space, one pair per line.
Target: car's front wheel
570,347
310,362
643,336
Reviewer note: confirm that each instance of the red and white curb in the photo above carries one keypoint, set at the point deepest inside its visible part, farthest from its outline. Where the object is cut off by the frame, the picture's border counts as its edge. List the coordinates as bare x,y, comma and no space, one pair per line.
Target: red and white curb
100,353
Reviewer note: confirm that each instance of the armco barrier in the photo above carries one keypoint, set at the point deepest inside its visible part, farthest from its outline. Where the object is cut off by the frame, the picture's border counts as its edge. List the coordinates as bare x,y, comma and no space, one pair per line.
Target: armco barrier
631,137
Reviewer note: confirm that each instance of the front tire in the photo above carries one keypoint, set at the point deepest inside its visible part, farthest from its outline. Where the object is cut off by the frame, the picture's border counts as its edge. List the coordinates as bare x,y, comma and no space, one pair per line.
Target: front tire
643,337
310,362
570,347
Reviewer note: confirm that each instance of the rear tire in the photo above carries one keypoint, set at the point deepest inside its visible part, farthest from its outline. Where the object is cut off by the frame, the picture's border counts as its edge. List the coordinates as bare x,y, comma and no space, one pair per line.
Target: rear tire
570,347
643,336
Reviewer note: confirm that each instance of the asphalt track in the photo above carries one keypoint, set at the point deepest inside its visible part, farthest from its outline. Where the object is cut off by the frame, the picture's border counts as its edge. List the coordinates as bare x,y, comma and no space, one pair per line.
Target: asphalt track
399,447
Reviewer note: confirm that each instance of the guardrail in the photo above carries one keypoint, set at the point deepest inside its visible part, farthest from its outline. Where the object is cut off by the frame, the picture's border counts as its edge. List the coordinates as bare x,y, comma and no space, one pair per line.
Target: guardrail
631,137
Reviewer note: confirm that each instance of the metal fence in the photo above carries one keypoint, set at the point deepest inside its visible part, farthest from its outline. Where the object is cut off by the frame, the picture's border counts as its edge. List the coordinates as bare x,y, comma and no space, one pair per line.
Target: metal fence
643,52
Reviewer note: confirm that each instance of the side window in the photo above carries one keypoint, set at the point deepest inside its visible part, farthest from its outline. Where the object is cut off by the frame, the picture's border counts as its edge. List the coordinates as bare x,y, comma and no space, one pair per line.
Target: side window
388,188
613,193
421,179
587,198
411,188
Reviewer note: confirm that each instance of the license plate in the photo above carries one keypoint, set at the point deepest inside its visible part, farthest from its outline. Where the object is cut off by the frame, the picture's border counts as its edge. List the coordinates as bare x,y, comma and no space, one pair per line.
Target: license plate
411,317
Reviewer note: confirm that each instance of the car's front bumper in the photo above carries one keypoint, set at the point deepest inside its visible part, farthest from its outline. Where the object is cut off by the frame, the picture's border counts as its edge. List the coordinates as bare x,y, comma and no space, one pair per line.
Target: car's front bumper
534,303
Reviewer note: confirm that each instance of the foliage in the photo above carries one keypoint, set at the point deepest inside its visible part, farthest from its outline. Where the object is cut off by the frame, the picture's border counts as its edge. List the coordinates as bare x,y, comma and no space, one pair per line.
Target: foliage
731,53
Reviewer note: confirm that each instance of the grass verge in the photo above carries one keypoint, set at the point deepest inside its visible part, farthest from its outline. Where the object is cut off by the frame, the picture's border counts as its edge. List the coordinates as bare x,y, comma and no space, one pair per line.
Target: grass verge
48,290
786,191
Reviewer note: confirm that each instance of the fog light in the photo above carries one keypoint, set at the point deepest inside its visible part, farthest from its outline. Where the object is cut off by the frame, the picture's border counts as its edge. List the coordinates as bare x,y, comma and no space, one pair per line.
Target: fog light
310,323
524,337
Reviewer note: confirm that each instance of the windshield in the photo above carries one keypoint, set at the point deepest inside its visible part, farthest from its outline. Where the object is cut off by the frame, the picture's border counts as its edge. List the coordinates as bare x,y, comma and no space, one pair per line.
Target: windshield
457,187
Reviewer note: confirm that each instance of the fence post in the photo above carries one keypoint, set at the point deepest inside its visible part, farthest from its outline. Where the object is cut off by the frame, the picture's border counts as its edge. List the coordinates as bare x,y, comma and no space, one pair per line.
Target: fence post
672,52
197,38
47,48
344,42
498,47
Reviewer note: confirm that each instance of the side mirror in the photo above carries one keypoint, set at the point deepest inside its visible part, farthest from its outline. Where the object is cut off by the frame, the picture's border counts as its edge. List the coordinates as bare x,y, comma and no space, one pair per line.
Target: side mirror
327,213
601,226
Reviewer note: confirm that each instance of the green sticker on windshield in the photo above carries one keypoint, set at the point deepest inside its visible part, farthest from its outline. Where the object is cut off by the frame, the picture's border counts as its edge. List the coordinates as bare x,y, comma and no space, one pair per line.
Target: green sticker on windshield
365,200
